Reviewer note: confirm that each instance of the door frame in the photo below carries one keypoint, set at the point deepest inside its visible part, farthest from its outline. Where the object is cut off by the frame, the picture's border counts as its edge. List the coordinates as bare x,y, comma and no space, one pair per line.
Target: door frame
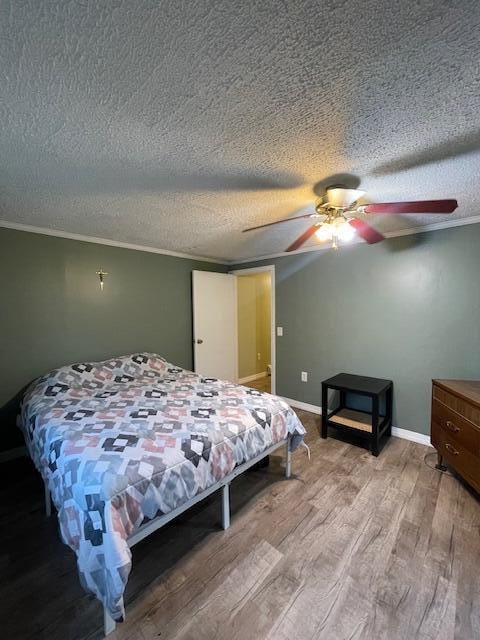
270,268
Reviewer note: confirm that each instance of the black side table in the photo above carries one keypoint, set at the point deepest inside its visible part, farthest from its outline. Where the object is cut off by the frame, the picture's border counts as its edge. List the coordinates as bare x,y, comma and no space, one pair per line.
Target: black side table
371,425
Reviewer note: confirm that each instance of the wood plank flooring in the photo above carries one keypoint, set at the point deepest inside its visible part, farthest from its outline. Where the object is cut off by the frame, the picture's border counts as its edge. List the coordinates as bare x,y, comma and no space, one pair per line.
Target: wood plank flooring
262,384
351,548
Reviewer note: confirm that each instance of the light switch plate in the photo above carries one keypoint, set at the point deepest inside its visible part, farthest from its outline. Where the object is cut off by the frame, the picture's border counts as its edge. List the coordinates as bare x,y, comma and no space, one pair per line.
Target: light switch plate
280,331
304,376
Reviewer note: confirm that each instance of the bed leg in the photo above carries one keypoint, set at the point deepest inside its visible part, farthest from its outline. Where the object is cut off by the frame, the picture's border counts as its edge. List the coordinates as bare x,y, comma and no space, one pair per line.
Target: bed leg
48,501
108,623
225,506
288,460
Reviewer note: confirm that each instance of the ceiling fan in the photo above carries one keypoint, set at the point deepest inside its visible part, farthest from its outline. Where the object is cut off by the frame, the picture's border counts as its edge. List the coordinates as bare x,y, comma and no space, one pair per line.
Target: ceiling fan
337,219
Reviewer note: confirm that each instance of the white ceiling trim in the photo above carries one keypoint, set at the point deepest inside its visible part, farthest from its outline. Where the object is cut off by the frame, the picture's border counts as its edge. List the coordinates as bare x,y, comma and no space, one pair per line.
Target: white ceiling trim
435,226
111,243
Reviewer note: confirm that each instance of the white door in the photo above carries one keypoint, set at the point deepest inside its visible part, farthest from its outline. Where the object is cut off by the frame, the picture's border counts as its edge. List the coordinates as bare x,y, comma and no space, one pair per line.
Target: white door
215,324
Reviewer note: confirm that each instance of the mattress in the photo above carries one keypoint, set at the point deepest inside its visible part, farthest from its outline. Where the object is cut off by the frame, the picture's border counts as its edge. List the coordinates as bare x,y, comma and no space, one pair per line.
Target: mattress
123,441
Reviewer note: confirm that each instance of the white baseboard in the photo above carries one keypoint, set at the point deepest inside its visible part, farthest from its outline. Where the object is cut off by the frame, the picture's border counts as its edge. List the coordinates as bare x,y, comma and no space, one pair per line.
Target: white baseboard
306,406
11,454
255,376
413,436
405,434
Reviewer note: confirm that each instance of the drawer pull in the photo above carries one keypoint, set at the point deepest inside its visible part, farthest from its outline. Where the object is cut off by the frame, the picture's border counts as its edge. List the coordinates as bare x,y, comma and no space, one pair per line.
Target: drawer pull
449,447
452,427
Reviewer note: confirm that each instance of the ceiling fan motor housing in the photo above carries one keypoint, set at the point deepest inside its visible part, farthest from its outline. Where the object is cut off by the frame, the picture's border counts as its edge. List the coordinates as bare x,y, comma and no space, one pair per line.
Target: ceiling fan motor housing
342,198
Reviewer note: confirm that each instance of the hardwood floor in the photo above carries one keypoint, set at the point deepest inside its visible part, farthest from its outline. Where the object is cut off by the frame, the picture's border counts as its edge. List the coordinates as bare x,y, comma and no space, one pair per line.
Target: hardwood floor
262,384
352,547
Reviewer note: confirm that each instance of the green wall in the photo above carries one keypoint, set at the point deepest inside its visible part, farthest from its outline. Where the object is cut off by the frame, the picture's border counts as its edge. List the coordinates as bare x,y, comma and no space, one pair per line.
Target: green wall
52,311
406,309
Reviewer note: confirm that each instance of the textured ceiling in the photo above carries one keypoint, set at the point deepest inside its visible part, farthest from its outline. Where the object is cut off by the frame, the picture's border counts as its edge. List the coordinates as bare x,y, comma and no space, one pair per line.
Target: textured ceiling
177,124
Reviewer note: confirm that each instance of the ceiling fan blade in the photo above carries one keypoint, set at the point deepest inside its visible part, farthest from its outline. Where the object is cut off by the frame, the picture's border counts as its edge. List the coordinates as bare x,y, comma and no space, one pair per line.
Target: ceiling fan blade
419,206
303,238
270,224
365,231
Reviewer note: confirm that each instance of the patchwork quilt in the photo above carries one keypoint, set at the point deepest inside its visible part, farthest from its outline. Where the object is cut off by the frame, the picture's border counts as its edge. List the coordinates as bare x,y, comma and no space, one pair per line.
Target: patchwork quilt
123,441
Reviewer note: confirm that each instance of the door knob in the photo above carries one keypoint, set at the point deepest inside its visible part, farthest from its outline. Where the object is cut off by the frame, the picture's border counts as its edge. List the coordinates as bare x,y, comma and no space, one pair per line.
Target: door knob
199,341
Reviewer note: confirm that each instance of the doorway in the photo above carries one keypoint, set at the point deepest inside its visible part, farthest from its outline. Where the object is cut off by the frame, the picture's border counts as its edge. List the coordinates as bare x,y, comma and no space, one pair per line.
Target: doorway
256,323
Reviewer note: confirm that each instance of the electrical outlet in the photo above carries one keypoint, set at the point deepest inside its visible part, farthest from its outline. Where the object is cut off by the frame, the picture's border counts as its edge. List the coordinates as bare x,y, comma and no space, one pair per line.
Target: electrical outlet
279,332
304,376
258,357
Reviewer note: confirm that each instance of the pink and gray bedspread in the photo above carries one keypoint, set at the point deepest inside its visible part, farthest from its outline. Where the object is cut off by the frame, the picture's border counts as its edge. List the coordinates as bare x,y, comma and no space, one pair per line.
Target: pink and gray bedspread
123,441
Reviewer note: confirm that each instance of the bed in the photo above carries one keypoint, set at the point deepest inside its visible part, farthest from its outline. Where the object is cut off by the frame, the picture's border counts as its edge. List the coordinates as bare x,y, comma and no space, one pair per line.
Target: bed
125,445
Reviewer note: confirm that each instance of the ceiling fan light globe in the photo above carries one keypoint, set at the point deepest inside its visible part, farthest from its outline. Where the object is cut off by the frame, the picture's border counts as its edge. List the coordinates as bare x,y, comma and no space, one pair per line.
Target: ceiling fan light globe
338,222
324,233
345,232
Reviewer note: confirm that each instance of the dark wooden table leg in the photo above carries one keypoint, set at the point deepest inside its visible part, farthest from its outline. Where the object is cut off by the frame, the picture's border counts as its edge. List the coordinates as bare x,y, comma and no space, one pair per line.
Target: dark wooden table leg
375,444
324,410
389,409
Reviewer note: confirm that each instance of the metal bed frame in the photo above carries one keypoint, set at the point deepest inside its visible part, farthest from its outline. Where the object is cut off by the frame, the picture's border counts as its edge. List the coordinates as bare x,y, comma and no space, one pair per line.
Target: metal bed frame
224,484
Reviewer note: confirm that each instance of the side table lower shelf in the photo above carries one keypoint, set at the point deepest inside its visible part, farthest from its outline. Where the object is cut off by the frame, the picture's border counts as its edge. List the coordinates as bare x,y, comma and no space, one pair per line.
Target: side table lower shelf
352,418
359,423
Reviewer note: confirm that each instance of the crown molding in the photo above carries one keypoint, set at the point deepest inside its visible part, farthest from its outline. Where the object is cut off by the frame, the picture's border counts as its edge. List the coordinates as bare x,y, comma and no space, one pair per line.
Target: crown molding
105,241
435,226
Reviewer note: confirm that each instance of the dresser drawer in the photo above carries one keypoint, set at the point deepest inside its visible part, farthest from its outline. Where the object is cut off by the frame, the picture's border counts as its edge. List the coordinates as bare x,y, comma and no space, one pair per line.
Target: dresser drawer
467,410
456,428
459,458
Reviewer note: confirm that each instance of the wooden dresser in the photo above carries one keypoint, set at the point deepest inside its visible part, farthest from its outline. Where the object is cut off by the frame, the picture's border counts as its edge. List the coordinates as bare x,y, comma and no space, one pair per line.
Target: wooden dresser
456,426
